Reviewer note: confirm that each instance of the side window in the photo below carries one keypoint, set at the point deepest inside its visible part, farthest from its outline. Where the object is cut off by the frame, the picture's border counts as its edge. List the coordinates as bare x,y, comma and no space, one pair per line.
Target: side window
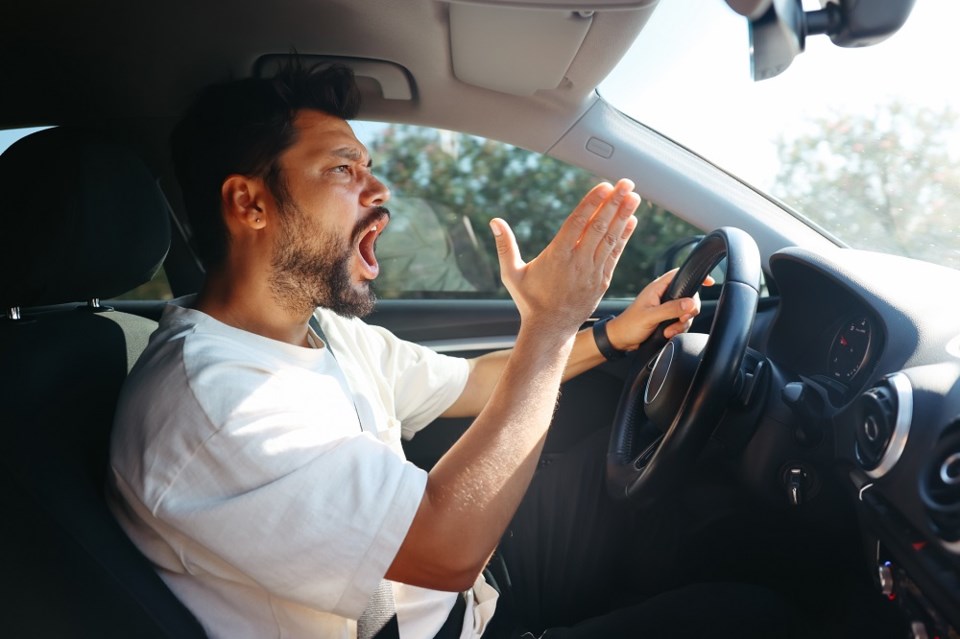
156,289
447,186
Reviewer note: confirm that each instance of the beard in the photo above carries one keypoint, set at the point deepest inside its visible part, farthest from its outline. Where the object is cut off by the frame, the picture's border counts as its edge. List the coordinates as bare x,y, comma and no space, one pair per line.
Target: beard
311,268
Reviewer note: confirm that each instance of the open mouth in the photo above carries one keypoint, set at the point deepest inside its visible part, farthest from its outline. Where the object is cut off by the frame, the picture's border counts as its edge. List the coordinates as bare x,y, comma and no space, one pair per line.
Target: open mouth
366,246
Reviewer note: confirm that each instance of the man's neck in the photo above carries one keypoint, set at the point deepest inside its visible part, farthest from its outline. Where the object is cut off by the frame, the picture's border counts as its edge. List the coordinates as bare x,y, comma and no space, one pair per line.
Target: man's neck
248,304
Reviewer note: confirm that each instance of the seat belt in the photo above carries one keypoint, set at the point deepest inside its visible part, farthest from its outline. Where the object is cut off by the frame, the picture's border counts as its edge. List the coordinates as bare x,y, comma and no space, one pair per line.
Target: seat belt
379,619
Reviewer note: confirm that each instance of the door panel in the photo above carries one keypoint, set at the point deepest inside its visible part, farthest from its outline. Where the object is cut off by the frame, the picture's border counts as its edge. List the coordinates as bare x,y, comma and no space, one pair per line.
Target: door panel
467,328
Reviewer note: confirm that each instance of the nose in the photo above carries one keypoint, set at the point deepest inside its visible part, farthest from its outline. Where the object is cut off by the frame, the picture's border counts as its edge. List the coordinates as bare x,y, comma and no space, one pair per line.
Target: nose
375,193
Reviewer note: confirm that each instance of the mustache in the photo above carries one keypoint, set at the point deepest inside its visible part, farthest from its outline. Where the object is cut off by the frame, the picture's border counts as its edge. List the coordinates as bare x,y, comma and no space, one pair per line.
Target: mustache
376,214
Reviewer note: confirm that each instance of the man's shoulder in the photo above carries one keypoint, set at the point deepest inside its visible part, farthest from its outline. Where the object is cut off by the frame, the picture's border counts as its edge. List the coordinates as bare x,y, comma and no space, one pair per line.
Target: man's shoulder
205,340
354,331
188,356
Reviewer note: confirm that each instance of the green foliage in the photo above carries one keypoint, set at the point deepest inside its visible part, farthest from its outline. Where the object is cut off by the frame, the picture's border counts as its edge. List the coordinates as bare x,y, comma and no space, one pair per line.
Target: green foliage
157,288
468,177
884,181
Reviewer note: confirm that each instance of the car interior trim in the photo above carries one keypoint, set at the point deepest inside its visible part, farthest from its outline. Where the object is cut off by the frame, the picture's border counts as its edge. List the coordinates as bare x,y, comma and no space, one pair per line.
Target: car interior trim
900,384
681,181
393,79
948,470
470,345
951,546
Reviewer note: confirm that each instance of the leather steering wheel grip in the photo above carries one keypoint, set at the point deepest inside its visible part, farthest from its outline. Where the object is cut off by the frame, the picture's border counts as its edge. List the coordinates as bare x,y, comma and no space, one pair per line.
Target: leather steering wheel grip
640,477
743,262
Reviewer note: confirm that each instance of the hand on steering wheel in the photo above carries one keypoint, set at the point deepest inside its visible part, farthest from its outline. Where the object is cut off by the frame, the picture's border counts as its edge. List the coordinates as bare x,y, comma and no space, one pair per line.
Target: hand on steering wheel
670,405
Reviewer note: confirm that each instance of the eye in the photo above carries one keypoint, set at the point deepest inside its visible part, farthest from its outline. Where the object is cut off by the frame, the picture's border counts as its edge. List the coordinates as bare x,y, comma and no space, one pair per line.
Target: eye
343,168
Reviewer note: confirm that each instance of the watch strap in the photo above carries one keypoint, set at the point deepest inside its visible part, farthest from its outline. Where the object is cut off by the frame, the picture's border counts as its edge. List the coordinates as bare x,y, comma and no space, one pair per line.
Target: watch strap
608,350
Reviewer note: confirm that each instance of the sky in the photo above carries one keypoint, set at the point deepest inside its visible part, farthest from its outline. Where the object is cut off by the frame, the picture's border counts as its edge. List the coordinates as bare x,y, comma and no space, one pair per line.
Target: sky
688,76
9,137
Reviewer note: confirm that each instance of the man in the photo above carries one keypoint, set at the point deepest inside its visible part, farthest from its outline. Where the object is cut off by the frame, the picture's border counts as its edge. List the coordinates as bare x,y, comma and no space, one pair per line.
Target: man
257,463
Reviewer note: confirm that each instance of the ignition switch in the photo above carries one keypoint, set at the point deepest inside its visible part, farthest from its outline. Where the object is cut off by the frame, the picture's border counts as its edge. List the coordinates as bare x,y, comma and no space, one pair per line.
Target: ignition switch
800,483
795,480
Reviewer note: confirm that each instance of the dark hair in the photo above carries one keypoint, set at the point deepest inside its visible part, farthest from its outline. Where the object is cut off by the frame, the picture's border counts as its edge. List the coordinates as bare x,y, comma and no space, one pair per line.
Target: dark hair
242,127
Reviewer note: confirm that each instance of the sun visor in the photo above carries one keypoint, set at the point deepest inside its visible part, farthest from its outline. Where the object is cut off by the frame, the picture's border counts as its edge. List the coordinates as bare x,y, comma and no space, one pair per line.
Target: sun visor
516,50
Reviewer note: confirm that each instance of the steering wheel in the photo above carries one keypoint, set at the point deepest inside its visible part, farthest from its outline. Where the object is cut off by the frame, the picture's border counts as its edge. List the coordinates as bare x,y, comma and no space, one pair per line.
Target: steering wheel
677,390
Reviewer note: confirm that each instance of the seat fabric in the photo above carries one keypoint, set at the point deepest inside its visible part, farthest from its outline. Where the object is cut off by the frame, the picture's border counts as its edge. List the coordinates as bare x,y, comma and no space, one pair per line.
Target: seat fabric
90,223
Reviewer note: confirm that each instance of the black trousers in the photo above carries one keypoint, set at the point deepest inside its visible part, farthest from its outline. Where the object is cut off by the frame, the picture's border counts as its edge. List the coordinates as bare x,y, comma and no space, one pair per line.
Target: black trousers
573,563
714,610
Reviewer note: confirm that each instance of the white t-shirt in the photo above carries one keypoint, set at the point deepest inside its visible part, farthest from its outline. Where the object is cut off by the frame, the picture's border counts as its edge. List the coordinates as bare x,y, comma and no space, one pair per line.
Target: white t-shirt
242,471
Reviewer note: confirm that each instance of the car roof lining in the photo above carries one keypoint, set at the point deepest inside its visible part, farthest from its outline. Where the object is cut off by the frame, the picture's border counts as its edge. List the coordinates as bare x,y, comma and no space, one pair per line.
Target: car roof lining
69,63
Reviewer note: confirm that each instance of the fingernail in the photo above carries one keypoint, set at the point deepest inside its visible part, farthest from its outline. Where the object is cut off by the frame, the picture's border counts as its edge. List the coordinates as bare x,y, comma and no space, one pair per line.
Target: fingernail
686,305
495,228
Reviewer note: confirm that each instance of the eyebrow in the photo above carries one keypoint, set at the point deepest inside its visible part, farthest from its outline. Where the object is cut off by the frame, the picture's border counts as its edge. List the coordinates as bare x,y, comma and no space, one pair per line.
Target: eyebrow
350,153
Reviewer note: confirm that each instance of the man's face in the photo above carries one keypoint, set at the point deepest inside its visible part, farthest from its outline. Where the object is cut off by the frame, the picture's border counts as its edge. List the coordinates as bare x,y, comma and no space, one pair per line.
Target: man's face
329,220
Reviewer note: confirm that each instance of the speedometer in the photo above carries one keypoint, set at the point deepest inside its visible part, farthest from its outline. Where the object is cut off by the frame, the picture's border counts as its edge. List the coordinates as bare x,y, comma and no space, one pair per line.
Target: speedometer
850,348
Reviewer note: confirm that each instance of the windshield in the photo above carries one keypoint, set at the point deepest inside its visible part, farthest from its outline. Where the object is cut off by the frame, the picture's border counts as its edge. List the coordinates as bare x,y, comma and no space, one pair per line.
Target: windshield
863,142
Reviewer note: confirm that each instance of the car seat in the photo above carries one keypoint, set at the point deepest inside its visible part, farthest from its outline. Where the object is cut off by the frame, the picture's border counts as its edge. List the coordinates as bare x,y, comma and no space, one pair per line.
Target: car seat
84,220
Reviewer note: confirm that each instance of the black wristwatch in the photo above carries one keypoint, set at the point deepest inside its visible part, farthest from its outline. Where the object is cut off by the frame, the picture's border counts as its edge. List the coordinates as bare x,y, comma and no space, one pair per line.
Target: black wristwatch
603,342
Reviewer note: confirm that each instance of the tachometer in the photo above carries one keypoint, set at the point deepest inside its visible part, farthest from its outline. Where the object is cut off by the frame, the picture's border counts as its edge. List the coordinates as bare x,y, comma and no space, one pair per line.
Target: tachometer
850,348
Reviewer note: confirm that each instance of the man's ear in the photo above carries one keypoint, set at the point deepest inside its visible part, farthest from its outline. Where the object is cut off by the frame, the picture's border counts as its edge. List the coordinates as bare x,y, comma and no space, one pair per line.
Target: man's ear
242,200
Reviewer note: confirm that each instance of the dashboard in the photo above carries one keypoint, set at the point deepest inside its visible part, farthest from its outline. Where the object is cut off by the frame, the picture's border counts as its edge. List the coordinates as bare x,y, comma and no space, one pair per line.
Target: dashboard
865,357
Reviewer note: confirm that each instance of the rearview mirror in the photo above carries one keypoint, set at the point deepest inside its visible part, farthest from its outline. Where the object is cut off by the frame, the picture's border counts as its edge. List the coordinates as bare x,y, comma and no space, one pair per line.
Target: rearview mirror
779,28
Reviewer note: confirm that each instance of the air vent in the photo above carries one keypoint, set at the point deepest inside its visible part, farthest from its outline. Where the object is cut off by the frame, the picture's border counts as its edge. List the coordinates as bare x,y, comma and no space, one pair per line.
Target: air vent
876,418
941,485
882,421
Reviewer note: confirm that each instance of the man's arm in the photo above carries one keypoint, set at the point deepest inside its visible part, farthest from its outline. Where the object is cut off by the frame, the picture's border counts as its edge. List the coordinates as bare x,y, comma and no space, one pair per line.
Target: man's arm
626,332
475,488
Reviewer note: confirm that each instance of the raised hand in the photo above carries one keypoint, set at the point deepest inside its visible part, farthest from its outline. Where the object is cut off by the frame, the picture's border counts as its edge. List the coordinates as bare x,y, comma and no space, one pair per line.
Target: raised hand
559,288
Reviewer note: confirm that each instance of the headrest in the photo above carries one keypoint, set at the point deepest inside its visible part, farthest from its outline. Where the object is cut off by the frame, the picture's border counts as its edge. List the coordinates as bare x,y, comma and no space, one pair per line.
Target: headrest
83,219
